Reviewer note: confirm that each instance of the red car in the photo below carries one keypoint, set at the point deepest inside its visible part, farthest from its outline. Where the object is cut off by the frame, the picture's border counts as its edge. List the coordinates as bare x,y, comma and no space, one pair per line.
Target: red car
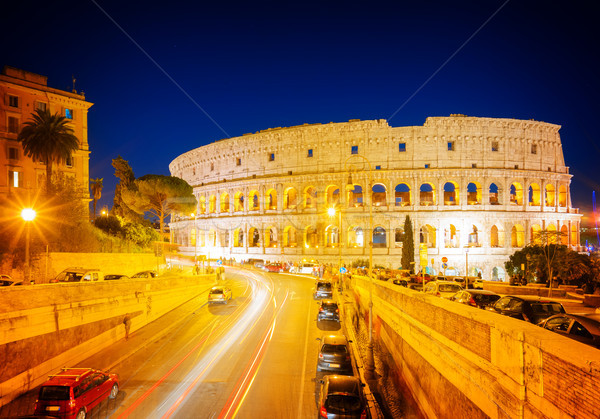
273,267
73,392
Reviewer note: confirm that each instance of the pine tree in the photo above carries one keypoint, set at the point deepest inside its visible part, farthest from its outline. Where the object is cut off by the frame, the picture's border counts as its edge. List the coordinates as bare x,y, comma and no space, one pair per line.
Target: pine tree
408,245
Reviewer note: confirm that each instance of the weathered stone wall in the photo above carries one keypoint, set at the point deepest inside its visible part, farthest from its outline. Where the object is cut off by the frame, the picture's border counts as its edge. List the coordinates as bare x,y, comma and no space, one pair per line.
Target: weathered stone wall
460,361
43,327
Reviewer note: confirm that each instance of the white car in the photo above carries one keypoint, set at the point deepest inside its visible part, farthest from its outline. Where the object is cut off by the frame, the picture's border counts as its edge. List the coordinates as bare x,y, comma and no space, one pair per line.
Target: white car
219,295
444,289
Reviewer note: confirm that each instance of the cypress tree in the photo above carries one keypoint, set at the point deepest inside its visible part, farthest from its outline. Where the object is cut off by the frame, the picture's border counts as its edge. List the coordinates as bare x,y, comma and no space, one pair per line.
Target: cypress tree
408,245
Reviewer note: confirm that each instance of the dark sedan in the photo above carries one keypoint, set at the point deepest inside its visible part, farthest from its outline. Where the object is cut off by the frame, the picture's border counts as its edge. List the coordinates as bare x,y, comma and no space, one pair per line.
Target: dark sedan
584,328
329,310
527,307
341,397
476,298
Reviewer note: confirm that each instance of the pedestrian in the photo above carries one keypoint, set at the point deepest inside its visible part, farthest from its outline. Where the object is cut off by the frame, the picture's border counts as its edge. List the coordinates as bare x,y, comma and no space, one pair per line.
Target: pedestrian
127,324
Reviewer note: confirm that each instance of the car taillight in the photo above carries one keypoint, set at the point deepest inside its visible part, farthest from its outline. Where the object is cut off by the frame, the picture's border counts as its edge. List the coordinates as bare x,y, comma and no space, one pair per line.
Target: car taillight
320,308
438,294
323,412
321,355
472,302
337,310
363,414
347,357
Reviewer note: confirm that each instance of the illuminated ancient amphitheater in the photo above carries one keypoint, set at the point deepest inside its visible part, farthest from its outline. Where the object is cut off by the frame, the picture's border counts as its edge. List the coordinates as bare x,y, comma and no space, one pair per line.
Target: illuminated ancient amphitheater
475,189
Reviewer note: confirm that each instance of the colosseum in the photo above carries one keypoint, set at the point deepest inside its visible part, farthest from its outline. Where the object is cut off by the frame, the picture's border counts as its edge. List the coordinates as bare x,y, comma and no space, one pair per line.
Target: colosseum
475,189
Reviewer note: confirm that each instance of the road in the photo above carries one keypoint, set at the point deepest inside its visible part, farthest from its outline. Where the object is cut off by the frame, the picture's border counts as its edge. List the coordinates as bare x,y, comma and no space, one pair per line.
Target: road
254,357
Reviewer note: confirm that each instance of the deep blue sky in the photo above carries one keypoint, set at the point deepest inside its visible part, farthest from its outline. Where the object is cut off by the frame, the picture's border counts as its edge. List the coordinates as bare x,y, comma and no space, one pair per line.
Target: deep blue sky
258,65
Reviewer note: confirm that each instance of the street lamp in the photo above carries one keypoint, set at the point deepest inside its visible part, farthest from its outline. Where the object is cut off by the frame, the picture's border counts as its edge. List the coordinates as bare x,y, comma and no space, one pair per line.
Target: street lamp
370,363
28,215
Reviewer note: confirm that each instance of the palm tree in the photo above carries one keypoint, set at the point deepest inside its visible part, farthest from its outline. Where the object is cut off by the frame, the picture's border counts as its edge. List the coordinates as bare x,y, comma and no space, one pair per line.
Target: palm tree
48,138
96,185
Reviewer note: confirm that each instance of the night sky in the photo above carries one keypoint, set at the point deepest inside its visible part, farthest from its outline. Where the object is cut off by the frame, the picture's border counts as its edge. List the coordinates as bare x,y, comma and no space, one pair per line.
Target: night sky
167,77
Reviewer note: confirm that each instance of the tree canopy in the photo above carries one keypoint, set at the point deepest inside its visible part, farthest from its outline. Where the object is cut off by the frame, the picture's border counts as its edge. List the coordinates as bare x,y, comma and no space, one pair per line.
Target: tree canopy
160,196
408,245
48,138
124,173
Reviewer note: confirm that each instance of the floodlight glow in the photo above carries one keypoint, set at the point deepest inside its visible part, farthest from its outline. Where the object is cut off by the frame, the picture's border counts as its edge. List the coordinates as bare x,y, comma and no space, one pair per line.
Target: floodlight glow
28,214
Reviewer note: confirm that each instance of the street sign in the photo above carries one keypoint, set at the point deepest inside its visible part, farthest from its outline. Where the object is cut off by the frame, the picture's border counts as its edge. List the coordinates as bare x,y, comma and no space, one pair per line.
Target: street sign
444,259
444,265
343,270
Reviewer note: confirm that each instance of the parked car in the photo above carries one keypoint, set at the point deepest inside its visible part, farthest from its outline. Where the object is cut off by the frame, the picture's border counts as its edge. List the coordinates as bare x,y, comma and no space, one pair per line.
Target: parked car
444,289
459,280
79,275
530,308
328,310
323,289
74,392
273,267
307,268
7,281
341,396
334,354
219,295
476,298
401,282
584,328
477,284
114,277
145,274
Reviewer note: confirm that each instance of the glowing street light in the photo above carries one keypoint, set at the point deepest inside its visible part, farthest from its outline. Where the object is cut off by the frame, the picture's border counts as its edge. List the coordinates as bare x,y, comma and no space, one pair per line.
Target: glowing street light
28,215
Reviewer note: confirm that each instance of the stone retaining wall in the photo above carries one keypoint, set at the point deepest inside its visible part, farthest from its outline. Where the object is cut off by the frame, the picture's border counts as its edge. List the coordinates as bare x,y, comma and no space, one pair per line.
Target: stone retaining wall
460,361
45,327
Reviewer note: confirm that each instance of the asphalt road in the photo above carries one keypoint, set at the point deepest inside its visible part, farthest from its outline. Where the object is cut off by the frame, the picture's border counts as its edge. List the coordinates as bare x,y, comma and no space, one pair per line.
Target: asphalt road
254,357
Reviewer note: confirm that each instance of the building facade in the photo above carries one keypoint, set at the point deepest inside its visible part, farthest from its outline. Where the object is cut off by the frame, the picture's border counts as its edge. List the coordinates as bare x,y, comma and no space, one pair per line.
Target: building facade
475,189
21,93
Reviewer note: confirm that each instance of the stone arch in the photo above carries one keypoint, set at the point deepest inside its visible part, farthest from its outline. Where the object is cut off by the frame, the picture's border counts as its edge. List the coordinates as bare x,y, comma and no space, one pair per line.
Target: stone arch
534,195
238,237
427,235
517,236
238,202
310,197
550,198
427,194
254,203
516,193
253,237
271,199
562,196
332,193
494,193
290,238
355,196
212,204
564,235
496,236
378,195
202,205
451,195
212,238
474,193
224,202
402,195
332,237
498,274
356,237
311,238
552,234
379,239
474,236
271,237
290,198
451,236
536,236
574,233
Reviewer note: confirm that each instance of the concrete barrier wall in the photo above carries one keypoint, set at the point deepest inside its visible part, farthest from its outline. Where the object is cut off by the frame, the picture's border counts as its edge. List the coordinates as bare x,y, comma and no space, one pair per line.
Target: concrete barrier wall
45,327
460,361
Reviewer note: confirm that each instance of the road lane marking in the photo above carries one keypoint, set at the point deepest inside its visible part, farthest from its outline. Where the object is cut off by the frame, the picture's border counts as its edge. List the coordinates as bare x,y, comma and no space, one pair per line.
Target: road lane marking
304,358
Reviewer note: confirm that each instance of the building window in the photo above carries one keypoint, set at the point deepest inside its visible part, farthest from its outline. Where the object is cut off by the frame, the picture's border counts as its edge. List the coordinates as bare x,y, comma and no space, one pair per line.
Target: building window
212,167
402,147
68,113
271,156
13,153
450,145
533,148
473,165
15,179
495,146
13,125
13,101
427,166
310,153
238,162
377,167
69,161
516,166
40,106
354,149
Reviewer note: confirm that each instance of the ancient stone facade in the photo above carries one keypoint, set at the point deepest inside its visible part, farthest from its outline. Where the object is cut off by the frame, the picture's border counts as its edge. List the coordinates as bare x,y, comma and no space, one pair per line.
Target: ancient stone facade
475,189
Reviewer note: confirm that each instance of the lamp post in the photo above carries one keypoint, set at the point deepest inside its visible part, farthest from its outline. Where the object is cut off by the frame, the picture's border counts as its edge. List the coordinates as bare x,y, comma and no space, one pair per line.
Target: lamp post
28,215
370,362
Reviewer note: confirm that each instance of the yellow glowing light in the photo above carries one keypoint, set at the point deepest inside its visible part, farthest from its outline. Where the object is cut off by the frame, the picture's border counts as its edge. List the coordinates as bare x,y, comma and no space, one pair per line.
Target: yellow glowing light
28,214
331,212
